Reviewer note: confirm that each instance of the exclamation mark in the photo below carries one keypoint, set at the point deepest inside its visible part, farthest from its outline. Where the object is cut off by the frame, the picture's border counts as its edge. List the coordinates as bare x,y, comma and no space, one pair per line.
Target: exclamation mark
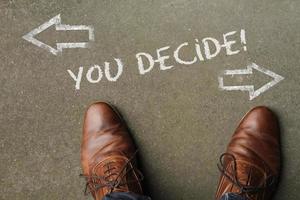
243,39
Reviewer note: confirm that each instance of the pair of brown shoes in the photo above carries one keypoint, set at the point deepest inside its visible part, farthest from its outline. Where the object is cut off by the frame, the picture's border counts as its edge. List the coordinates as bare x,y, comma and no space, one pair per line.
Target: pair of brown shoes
250,167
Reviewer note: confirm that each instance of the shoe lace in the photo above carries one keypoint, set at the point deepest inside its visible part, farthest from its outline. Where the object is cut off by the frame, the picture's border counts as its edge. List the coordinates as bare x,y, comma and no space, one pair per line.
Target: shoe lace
233,177
95,182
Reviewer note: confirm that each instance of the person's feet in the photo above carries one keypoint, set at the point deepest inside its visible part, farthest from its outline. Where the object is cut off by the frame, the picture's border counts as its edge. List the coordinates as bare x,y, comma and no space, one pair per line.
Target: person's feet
250,167
108,153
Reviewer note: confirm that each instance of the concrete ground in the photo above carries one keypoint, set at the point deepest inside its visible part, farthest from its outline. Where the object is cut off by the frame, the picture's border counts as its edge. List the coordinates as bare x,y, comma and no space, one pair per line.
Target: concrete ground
179,118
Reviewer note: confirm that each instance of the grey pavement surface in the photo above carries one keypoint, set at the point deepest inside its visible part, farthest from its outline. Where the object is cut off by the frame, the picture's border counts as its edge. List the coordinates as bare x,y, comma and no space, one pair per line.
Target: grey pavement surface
179,118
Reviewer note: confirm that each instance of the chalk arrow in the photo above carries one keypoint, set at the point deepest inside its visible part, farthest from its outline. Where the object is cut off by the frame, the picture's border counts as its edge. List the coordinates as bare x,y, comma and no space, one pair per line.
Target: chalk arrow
250,88
59,27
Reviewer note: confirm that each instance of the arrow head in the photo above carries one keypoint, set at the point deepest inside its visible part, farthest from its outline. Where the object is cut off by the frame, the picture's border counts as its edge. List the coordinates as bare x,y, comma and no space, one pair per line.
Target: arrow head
30,37
275,80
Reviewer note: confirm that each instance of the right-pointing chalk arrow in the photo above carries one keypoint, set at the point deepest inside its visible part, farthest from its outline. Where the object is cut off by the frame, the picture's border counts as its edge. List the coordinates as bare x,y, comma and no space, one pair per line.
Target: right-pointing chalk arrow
250,88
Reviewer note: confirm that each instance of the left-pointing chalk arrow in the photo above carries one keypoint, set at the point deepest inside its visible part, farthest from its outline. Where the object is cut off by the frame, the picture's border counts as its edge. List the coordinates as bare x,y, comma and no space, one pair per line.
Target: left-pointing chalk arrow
59,27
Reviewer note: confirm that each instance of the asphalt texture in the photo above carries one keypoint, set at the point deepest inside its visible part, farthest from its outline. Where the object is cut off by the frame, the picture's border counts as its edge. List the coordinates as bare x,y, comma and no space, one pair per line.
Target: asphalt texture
179,118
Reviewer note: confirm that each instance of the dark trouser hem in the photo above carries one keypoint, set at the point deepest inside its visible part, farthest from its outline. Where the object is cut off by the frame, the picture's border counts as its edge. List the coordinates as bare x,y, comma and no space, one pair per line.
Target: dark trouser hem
133,196
125,196
232,196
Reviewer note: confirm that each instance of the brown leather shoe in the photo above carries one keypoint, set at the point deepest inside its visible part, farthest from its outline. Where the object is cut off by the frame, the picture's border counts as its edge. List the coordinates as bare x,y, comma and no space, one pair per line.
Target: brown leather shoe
108,153
250,167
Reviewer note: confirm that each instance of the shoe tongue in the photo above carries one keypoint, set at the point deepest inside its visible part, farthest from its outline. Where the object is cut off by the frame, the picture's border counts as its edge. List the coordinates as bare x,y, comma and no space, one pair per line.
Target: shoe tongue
112,172
111,167
248,174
